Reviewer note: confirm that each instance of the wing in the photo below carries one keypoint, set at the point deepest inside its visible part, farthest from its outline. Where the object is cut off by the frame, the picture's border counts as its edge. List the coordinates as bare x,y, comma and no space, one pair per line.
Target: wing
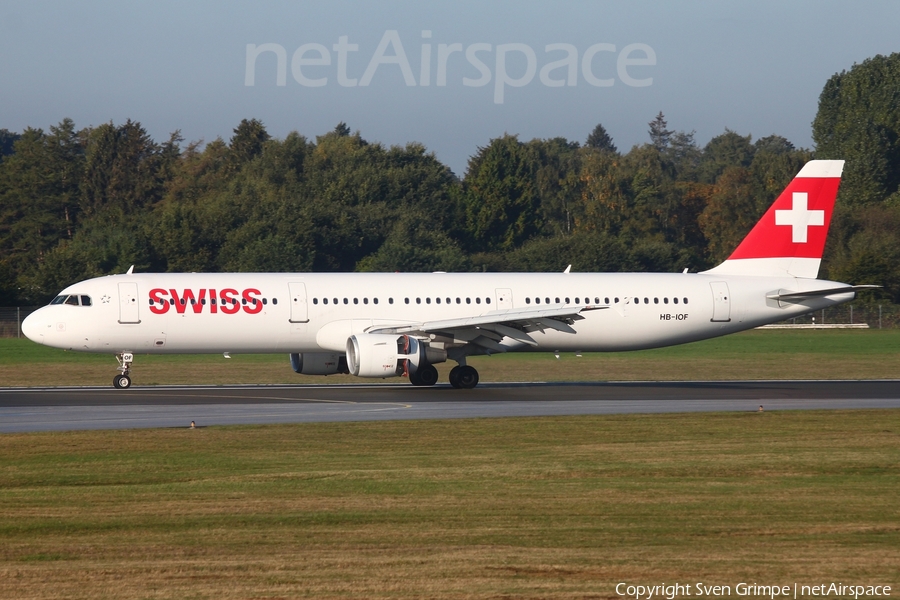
487,330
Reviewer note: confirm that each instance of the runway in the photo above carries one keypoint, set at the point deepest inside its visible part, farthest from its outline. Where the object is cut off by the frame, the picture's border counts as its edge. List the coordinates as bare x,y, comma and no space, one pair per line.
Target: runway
59,409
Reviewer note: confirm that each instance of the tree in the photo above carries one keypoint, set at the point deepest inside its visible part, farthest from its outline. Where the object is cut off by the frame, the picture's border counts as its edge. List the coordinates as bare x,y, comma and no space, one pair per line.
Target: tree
39,191
502,204
122,170
599,139
341,129
858,120
7,141
723,151
659,132
247,141
731,212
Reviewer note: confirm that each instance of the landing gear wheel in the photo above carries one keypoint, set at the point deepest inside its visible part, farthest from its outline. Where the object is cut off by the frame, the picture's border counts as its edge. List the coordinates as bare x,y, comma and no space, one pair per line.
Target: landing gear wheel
465,377
454,376
424,375
122,382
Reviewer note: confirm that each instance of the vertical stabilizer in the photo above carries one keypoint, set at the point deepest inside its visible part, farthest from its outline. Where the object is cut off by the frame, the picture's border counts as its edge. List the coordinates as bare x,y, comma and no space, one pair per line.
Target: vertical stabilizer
790,238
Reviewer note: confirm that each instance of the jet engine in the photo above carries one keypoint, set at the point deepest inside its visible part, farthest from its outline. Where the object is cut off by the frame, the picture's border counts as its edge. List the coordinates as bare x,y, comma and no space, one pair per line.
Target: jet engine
390,355
377,354
319,363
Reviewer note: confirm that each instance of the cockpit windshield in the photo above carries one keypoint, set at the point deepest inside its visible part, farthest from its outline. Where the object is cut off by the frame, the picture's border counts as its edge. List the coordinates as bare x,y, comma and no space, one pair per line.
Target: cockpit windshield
72,300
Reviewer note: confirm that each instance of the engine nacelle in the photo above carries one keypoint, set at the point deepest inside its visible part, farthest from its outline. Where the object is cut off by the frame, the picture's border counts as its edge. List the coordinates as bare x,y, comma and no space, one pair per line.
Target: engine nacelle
319,363
377,354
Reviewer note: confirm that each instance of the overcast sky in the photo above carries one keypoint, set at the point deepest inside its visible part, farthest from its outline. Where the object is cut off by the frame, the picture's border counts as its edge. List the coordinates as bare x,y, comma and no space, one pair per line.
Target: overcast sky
754,67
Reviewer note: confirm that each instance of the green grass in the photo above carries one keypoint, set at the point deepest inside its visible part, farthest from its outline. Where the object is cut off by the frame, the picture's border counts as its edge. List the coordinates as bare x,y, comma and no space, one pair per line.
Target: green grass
804,354
500,508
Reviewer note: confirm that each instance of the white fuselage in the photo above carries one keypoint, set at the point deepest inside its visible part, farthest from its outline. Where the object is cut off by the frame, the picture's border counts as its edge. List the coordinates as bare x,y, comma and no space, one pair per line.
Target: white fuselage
311,312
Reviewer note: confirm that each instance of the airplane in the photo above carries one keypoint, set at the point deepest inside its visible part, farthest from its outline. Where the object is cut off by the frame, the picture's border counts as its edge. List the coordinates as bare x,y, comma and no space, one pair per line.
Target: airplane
382,325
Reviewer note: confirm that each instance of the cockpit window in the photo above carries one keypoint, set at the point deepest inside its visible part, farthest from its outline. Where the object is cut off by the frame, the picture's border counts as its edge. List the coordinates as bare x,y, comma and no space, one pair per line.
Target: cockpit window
72,300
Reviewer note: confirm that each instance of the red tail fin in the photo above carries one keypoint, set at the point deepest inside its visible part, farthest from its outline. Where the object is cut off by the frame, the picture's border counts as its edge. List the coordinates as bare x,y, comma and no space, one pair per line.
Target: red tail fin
790,237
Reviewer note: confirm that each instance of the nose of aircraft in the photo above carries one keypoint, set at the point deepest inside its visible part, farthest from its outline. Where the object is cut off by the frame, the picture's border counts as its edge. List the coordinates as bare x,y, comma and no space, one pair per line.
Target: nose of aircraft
34,326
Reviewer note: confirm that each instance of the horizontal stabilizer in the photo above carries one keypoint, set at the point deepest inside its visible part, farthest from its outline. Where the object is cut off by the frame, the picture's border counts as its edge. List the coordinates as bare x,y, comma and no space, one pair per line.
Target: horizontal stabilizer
819,293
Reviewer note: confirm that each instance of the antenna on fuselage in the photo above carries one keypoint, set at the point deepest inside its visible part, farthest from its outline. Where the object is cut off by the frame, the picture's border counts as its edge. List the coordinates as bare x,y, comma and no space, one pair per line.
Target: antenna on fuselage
130,270
568,269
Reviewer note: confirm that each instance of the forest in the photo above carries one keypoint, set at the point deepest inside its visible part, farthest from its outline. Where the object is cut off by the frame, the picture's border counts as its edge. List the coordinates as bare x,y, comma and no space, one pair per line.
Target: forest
79,203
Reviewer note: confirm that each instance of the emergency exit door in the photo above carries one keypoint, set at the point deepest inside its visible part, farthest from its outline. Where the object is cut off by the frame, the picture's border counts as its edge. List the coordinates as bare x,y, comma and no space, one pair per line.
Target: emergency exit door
299,309
721,302
129,307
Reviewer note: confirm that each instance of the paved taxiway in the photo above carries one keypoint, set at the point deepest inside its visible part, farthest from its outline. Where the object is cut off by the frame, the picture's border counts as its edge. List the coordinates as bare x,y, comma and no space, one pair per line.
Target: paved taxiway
47,409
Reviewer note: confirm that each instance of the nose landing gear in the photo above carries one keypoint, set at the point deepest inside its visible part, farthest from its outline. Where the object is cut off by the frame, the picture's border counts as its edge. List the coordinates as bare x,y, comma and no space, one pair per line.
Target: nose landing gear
122,381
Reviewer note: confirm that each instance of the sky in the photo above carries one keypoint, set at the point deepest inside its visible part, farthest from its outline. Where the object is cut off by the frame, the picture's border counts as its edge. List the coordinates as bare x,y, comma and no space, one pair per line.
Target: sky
449,75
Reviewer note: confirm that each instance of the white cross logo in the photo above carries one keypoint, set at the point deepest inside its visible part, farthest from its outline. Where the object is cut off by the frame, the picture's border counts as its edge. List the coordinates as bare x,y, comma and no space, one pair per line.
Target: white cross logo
800,218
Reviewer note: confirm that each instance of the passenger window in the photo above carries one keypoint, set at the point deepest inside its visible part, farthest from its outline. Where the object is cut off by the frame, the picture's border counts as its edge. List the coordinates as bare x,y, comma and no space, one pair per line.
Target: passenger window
315,300
546,300
458,301
437,300
656,301
537,300
477,300
606,300
577,300
468,301
346,301
428,300
418,301
324,301
665,300
685,300
448,300
274,301
406,300
487,300
365,300
527,300
356,301
675,300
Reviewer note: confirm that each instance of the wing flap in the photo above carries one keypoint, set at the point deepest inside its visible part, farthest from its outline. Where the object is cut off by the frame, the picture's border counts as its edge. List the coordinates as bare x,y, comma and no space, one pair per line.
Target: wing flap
514,324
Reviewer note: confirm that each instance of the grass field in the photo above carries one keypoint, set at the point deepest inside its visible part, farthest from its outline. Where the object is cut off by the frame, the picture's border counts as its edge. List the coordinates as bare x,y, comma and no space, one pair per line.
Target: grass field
815,354
484,508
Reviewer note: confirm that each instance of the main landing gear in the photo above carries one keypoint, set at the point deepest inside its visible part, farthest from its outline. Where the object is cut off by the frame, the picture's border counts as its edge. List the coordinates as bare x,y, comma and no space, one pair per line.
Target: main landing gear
425,375
122,381
463,377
